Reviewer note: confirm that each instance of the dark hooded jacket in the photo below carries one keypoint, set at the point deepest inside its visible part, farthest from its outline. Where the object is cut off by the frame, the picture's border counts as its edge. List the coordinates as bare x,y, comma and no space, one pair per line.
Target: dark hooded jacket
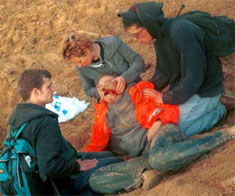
183,55
56,158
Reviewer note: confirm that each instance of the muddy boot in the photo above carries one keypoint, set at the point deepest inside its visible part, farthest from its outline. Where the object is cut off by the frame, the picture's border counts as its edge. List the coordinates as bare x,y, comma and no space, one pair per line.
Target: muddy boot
151,178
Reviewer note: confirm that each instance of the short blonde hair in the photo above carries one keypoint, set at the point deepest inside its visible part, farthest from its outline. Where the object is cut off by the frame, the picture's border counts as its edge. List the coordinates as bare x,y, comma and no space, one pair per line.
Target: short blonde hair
76,45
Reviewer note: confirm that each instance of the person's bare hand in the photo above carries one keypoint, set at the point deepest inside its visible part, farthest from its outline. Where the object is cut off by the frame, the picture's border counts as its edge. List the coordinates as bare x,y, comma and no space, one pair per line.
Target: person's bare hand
153,129
153,93
121,84
87,164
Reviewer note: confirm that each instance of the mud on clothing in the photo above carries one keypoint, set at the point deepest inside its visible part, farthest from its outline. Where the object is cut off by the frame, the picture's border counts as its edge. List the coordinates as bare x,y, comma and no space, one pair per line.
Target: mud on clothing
169,151
122,126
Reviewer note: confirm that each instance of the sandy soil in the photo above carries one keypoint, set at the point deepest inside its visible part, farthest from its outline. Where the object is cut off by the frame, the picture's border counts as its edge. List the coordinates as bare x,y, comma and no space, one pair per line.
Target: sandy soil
31,33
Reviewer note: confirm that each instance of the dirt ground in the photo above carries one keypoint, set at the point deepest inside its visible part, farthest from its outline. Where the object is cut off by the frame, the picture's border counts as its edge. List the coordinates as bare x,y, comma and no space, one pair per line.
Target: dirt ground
31,33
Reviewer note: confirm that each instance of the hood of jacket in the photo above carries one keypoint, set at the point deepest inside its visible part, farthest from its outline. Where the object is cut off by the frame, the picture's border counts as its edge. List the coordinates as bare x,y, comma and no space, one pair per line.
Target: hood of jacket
25,112
110,45
149,14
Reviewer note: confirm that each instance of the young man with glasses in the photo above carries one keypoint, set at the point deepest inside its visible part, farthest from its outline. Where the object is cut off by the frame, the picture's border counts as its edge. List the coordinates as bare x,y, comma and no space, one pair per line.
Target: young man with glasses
187,73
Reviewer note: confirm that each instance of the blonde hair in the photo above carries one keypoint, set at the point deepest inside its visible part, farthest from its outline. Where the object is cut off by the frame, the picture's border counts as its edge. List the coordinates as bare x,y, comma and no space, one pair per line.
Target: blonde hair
76,45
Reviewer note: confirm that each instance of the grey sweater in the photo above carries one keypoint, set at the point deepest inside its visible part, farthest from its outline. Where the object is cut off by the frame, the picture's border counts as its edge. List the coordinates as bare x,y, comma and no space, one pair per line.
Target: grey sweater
118,59
128,136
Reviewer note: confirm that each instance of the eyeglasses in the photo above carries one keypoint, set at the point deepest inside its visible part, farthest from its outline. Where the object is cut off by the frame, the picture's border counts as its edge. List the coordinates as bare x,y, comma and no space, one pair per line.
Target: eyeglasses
136,34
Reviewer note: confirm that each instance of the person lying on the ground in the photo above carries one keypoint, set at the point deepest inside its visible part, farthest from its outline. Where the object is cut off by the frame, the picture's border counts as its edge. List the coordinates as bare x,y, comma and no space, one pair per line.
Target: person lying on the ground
56,158
120,129
106,55
125,123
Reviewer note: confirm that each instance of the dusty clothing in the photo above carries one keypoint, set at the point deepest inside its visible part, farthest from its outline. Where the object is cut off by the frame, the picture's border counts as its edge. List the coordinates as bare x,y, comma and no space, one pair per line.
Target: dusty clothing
122,126
183,59
118,59
169,152
128,136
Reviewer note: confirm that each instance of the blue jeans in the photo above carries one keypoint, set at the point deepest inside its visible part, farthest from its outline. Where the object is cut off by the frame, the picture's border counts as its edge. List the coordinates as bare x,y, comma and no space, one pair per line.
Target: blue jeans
79,184
199,114
169,151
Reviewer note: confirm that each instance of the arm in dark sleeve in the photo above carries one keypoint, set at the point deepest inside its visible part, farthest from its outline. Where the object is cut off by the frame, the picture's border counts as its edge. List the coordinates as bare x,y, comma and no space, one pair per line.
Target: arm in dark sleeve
88,85
193,66
159,79
135,61
49,148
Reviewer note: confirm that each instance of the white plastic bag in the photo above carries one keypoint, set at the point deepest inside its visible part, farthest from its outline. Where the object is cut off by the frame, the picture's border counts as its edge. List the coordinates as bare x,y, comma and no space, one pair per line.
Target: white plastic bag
66,108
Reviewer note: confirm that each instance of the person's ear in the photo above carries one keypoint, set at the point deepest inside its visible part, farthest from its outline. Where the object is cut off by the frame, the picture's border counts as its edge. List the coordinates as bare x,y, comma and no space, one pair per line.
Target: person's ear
35,92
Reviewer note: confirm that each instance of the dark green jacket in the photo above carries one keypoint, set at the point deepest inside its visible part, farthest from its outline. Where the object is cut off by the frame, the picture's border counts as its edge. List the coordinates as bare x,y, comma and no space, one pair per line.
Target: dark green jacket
118,59
183,59
56,158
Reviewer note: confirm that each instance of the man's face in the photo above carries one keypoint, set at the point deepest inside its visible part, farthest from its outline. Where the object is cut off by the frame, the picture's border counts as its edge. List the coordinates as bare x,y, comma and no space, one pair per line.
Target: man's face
45,93
139,34
107,89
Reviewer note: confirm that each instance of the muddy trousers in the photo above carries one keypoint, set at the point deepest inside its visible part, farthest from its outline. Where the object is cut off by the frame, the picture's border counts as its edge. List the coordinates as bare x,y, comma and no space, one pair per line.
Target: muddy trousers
169,151
79,184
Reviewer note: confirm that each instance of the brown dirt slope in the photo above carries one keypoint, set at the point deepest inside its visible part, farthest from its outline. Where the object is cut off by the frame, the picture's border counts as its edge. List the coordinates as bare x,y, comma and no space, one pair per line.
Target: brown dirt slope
31,33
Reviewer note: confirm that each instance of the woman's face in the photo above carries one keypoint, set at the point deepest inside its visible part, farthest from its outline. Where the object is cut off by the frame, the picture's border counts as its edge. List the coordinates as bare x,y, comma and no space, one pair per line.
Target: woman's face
82,61
139,34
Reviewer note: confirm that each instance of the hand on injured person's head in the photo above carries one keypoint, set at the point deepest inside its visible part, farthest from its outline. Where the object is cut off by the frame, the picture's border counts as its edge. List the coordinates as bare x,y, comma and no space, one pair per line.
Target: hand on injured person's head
107,89
121,84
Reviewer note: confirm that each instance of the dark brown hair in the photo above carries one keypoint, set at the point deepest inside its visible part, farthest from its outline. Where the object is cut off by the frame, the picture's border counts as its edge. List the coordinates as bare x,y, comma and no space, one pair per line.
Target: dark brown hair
76,45
30,79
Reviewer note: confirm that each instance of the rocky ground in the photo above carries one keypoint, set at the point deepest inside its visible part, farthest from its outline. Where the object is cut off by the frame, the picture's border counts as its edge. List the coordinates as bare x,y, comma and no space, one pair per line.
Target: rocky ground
31,33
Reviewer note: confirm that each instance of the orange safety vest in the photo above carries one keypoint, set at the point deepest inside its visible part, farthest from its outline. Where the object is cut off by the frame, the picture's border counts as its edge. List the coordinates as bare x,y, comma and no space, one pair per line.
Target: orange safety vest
147,112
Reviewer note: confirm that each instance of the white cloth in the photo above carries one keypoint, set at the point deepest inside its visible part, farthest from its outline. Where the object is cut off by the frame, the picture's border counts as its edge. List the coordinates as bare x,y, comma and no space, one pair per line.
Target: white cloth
66,108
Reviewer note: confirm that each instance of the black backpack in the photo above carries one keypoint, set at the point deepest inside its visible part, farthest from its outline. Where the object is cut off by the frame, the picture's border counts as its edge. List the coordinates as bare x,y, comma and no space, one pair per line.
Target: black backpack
219,29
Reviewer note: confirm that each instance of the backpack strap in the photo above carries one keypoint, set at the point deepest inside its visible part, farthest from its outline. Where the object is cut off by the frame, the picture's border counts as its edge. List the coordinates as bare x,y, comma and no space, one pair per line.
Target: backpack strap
180,10
13,135
19,131
16,133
